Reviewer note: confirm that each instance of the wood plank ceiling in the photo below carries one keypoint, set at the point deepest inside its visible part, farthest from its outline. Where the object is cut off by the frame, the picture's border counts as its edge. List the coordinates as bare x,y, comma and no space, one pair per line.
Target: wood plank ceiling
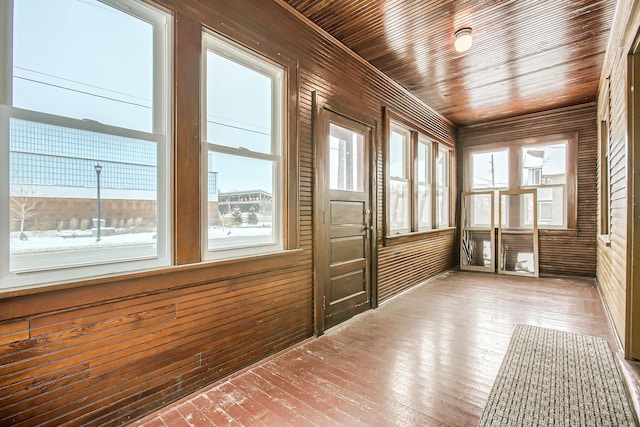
527,55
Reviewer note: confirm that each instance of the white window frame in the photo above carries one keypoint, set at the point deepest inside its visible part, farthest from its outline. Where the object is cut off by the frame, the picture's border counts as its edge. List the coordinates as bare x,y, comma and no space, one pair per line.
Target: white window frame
162,95
245,57
469,181
542,223
405,178
514,169
413,138
440,188
422,139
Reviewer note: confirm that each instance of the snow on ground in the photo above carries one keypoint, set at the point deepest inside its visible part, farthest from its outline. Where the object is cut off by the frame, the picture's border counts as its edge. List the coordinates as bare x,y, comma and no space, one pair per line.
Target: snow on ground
46,241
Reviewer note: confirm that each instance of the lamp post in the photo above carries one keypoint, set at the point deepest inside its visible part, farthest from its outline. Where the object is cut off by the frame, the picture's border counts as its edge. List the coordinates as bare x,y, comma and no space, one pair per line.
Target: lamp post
98,168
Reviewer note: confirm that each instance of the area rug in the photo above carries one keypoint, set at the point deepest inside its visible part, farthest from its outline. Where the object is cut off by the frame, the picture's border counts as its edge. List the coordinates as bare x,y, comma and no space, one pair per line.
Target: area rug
555,378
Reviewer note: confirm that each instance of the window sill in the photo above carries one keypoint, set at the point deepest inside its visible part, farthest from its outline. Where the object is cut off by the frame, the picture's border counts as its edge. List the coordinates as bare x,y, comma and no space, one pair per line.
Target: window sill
605,239
420,235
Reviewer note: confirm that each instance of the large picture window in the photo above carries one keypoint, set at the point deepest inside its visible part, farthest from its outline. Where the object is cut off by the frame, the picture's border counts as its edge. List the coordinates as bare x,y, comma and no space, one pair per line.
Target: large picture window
84,154
546,164
243,141
418,174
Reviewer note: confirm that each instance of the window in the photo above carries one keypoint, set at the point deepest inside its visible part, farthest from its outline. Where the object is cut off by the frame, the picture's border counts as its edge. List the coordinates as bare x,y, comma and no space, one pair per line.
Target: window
546,164
243,141
488,172
443,177
605,164
605,172
399,180
544,167
413,203
84,128
425,160
347,159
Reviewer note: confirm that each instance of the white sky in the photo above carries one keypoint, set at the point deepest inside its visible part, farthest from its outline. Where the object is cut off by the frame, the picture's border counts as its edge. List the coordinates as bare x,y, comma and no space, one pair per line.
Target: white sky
88,60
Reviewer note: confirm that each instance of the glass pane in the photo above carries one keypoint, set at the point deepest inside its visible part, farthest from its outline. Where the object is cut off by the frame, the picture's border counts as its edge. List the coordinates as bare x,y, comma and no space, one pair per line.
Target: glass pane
68,61
544,164
424,162
399,206
398,155
476,248
79,197
551,206
517,253
477,212
346,158
443,207
442,167
241,212
517,211
239,102
424,207
490,170
442,181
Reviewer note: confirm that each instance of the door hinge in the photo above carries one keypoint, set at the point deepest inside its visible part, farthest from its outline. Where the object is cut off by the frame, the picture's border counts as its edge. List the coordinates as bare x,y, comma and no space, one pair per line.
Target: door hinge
324,305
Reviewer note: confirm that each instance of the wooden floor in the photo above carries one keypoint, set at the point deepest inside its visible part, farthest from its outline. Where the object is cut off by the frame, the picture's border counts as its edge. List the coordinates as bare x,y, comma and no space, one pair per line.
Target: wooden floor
425,358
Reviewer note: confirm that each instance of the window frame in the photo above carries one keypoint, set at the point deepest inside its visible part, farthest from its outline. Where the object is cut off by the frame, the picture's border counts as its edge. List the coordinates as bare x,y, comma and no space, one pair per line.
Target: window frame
604,152
514,148
245,57
447,175
161,133
416,135
407,177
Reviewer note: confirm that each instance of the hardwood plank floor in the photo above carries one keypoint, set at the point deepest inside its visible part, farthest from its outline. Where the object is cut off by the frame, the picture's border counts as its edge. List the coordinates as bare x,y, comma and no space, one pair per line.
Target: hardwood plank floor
427,357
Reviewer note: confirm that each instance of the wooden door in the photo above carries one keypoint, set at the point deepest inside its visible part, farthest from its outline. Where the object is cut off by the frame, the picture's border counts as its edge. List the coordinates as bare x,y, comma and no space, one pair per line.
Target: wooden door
344,218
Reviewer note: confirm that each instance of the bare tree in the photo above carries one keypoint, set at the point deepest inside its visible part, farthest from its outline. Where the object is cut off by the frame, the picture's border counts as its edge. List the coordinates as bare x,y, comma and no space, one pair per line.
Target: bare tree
22,208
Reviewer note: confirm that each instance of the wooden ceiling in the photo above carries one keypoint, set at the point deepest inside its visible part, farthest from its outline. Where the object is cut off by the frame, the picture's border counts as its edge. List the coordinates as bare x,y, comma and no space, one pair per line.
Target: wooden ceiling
527,55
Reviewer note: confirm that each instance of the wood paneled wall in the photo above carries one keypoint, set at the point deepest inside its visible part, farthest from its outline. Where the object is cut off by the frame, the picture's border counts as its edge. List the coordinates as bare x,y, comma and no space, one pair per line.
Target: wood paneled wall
560,252
612,270
106,351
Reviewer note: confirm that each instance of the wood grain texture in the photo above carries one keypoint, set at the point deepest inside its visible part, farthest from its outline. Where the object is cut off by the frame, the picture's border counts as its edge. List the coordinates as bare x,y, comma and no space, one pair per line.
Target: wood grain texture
526,57
428,357
560,252
613,106
107,350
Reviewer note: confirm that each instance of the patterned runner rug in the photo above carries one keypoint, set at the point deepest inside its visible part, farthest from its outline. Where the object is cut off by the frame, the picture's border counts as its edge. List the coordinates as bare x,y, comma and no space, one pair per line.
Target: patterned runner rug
555,378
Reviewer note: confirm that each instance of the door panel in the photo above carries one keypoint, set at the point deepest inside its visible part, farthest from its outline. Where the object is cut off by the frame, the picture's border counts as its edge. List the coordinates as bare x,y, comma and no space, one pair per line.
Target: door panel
347,249
344,270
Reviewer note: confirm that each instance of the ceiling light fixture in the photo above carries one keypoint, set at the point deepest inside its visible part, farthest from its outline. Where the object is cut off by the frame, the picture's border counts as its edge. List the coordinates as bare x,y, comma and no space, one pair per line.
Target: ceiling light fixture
464,39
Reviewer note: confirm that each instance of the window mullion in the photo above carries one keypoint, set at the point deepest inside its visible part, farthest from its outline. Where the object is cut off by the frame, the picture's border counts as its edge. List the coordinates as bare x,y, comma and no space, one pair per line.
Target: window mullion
434,185
515,161
241,152
413,181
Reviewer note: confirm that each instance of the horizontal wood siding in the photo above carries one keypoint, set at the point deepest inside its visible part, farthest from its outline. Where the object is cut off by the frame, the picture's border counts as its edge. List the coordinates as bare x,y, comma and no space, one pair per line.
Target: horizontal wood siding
106,351
612,259
571,253
403,266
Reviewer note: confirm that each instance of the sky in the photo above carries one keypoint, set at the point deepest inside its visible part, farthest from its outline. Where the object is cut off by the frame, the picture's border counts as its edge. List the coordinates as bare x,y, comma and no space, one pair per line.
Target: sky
77,66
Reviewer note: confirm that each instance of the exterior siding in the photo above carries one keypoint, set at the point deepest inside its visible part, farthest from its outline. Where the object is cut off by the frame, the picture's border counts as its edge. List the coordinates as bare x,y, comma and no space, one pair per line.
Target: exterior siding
612,268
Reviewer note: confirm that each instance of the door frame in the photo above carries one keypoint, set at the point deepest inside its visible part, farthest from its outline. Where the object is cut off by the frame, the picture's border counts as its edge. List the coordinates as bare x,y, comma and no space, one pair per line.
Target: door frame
320,104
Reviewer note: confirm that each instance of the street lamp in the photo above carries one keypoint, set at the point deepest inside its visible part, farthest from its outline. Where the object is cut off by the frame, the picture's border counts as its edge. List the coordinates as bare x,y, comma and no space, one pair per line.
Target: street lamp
98,168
